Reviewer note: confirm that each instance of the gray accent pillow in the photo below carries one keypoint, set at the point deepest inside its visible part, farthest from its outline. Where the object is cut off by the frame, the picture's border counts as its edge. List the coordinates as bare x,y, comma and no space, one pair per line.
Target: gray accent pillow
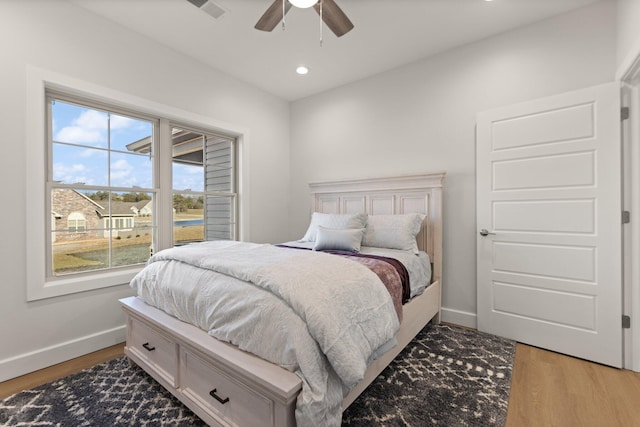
331,239
336,221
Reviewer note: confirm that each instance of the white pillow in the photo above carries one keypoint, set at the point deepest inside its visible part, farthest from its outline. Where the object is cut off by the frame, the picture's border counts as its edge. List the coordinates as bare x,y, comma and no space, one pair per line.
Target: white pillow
393,231
337,221
331,239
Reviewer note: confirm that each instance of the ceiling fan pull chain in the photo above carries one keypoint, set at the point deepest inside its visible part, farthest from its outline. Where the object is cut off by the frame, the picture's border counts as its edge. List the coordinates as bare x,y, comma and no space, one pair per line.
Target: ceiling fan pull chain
284,12
321,3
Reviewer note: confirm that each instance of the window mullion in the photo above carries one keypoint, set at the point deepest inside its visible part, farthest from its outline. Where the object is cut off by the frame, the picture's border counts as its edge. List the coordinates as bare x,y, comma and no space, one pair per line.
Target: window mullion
110,243
164,184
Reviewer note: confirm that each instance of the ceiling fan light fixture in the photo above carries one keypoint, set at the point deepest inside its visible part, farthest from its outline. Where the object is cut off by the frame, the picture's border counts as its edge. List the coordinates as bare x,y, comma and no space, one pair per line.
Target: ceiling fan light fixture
303,4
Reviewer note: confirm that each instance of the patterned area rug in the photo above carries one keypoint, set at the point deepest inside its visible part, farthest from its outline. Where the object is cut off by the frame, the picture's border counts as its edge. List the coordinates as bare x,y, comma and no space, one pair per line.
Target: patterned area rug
447,376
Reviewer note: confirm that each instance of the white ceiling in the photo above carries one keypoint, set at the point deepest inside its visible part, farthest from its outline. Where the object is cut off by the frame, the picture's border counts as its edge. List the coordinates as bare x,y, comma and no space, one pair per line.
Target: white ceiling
387,34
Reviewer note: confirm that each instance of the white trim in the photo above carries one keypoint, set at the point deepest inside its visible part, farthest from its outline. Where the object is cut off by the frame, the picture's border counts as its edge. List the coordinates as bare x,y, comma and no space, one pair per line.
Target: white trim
629,73
629,68
35,147
631,178
457,317
48,356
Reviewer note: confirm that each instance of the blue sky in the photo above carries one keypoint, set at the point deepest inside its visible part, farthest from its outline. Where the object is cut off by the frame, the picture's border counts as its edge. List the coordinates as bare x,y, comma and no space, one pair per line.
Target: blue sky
89,132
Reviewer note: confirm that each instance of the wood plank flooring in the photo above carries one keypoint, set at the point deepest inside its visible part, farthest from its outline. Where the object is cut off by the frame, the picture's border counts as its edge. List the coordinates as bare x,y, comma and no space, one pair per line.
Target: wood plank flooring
52,373
547,390
550,389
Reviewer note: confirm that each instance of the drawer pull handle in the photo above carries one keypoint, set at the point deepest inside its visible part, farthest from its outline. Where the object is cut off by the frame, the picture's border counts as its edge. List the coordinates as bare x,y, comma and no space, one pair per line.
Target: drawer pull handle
148,347
218,398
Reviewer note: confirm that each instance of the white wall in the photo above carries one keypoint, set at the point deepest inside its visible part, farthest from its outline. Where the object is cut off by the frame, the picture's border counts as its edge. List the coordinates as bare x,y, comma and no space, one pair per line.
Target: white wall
421,117
628,45
62,38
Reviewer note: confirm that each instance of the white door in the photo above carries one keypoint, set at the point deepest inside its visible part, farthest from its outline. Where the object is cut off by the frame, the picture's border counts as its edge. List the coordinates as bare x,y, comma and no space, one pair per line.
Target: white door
548,186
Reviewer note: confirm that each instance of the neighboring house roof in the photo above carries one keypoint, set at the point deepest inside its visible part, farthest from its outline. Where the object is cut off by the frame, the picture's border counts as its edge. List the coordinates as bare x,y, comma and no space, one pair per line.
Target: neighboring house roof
56,205
144,207
118,208
90,200
122,208
142,204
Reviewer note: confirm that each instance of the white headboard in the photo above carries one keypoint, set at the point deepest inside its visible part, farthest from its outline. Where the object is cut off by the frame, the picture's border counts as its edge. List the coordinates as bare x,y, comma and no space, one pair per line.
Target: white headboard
390,195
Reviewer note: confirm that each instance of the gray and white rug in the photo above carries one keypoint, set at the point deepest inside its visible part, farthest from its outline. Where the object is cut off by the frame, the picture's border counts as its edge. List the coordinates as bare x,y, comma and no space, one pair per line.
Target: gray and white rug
447,376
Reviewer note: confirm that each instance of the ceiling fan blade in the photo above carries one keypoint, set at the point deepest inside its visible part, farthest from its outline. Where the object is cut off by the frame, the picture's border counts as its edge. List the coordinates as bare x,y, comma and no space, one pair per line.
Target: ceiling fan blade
272,16
334,17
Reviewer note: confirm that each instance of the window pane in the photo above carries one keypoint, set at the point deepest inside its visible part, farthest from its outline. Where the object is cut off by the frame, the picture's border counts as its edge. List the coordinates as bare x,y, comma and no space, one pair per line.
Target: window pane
73,254
188,171
79,165
219,164
93,230
75,211
131,170
187,177
129,215
129,134
188,219
78,125
203,163
219,214
130,248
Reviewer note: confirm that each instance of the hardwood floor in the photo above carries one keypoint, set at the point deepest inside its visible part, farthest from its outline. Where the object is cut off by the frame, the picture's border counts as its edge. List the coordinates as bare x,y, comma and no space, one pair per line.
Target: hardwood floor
43,376
550,389
547,389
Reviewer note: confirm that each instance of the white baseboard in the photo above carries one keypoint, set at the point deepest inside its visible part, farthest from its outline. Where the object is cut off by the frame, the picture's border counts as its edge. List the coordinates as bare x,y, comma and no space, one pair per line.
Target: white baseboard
48,356
457,317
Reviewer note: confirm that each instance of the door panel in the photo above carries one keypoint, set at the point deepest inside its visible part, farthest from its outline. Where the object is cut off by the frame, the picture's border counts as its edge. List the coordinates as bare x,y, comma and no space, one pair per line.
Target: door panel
560,216
545,127
548,187
567,309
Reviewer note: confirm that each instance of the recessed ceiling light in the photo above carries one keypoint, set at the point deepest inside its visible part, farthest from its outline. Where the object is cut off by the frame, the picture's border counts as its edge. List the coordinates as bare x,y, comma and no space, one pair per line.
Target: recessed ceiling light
302,70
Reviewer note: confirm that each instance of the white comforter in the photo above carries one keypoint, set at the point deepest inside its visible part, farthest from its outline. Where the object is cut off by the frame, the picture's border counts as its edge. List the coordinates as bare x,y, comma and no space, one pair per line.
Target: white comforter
319,315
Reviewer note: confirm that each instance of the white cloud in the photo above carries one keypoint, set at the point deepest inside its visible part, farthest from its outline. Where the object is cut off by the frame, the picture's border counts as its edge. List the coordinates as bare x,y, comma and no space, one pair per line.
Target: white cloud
92,120
71,174
188,177
122,173
90,128
89,152
119,122
74,134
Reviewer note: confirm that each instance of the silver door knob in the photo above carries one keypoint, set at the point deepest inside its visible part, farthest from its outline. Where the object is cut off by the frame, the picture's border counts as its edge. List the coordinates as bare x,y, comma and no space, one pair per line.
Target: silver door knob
485,232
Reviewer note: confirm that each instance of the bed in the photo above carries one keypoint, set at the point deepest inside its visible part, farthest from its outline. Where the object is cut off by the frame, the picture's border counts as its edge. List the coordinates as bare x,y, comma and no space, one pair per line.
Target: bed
227,386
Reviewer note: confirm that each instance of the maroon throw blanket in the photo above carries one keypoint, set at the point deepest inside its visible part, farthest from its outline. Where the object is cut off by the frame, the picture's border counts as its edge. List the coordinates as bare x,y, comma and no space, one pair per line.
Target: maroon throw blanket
391,272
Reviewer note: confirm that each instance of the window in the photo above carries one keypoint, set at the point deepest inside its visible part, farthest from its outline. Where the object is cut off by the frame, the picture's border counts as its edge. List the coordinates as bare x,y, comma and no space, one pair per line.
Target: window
203,187
149,206
76,223
104,186
94,173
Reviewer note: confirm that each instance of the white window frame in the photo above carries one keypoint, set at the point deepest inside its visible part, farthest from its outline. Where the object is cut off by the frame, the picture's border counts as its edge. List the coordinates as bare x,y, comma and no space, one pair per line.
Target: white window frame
39,285
232,193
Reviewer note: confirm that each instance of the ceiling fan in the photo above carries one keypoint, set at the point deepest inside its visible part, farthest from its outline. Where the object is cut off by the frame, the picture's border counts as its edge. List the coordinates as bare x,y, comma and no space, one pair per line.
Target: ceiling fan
328,10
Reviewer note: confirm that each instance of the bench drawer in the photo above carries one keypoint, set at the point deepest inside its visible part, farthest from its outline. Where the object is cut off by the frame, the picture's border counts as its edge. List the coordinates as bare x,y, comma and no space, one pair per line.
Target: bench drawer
224,398
155,349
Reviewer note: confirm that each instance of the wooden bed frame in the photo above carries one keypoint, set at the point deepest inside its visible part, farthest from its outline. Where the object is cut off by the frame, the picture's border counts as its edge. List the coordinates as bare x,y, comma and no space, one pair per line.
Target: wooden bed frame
226,386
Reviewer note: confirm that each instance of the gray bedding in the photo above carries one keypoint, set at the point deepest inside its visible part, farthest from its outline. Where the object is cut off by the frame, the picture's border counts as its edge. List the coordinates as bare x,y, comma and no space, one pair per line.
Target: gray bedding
319,315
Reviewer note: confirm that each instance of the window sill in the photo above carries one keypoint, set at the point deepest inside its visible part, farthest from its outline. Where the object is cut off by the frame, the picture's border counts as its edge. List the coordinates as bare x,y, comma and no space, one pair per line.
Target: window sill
50,288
